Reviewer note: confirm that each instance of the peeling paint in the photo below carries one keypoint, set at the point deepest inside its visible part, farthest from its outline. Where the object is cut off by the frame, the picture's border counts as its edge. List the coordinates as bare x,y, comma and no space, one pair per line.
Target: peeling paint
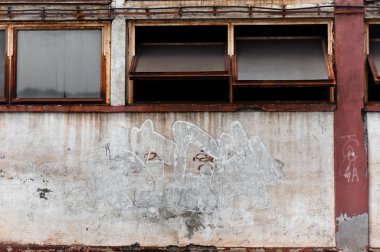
352,235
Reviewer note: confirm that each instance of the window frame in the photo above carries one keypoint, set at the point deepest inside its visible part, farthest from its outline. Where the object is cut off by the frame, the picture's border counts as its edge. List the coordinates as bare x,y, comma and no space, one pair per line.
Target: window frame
328,52
372,64
180,75
6,66
11,63
286,83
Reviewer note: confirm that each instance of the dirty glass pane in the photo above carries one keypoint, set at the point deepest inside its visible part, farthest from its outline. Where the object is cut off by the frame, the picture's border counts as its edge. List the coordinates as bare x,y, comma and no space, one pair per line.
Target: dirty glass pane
281,59
180,58
59,64
2,63
374,50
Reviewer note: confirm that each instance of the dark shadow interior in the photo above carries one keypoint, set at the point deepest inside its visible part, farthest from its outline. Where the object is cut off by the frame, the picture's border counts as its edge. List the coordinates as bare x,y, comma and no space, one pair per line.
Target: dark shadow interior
276,94
167,91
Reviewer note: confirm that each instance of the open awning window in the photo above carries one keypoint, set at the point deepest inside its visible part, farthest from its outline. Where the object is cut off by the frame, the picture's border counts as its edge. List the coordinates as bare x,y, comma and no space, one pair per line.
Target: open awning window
284,61
178,60
374,59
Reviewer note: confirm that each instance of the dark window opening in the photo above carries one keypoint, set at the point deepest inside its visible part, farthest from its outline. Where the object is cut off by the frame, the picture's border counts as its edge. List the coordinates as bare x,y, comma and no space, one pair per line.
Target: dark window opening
282,63
317,30
180,34
373,66
166,91
263,94
270,63
175,64
373,88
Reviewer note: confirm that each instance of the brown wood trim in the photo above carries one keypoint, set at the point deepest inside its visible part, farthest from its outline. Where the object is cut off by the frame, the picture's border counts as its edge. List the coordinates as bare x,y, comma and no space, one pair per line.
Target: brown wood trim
156,108
373,69
283,83
328,62
12,79
132,68
372,107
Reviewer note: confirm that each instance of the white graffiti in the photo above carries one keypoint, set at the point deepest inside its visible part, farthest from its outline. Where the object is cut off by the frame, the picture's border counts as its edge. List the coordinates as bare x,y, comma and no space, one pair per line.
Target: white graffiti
191,172
348,168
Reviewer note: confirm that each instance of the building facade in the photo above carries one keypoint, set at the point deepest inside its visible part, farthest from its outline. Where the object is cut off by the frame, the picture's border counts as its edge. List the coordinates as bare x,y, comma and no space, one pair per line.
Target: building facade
189,125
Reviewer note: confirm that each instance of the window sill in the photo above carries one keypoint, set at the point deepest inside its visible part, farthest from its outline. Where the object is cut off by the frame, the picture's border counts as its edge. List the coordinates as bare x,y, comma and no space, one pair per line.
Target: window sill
372,107
157,108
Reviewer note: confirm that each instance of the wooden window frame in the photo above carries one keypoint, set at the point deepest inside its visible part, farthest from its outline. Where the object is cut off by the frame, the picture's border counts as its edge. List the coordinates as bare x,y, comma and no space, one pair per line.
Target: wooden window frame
133,75
329,83
372,64
11,64
370,105
132,60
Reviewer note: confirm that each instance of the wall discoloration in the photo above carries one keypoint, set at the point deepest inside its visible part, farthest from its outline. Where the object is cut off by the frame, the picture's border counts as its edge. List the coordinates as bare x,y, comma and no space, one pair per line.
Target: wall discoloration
204,178
352,235
118,56
373,122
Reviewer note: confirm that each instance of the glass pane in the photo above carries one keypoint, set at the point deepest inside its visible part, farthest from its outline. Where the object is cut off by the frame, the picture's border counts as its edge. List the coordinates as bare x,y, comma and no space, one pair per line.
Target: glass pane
281,59
374,50
59,64
2,63
180,58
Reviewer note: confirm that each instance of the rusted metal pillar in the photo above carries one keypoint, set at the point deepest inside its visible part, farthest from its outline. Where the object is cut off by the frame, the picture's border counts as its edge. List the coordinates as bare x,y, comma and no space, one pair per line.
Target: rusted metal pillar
351,180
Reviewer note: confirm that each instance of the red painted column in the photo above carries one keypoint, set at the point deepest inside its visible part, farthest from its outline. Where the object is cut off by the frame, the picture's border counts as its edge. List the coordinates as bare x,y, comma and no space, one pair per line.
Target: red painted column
351,180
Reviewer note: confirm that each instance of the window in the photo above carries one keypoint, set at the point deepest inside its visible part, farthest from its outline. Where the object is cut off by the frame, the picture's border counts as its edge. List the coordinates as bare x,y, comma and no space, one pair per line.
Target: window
374,63
50,64
230,63
185,65
281,63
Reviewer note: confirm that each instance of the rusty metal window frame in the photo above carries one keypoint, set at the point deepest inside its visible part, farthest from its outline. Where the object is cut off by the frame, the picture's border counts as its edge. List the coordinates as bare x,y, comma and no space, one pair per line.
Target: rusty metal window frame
372,79
182,75
10,83
329,83
135,75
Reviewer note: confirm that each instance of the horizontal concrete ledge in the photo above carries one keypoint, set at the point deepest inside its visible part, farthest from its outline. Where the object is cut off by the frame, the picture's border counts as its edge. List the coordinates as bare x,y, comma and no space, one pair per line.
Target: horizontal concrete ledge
137,247
268,107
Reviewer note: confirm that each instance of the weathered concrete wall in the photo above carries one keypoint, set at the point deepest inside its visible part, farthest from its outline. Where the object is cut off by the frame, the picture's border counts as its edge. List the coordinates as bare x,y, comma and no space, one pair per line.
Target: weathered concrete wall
225,179
373,122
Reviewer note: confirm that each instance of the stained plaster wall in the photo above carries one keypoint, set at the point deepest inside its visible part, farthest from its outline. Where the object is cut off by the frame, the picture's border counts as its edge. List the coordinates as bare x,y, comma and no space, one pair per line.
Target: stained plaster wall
249,179
225,179
373,120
